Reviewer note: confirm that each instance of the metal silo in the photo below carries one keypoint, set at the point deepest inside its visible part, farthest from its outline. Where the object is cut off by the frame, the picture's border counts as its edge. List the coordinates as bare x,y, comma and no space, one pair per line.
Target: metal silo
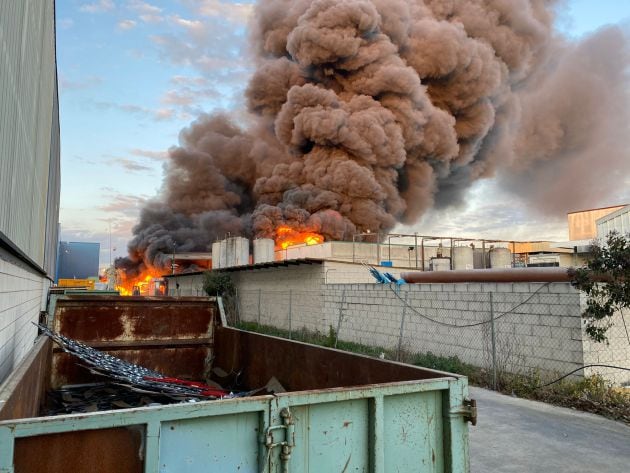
223,254
264,250
440,264
237,251
463,257
500,258
216,255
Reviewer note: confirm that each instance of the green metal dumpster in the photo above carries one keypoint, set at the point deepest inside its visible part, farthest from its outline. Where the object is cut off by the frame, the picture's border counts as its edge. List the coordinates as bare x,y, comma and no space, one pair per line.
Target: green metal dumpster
340,413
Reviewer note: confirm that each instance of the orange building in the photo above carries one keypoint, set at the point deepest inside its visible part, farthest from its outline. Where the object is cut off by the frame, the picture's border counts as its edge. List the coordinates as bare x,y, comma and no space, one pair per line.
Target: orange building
582,223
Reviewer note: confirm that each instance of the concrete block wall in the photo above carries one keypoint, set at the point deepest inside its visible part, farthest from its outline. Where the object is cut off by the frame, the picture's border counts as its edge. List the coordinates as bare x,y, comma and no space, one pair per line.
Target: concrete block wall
284,297
537,326
22,297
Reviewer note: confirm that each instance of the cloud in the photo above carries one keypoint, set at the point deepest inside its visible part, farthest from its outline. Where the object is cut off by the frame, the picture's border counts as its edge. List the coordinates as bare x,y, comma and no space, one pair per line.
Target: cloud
97,7
126,24
187,96
65,23
193,42
234,12
125,204
189,81
131,165
492,213
68,84
145,153
146,12
159,114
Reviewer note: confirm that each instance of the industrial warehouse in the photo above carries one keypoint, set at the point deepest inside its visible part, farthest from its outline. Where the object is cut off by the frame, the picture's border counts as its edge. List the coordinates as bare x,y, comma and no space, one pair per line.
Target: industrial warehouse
314,236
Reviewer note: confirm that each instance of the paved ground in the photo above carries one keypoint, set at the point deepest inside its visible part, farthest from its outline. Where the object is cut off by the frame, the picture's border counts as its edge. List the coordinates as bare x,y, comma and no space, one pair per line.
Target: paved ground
515,435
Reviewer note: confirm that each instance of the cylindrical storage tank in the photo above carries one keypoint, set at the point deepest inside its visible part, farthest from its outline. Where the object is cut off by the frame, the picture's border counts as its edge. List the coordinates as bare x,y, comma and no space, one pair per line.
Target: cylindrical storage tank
241,251
440,264
216,255
463,257
500,258
264,250
223,254
237,252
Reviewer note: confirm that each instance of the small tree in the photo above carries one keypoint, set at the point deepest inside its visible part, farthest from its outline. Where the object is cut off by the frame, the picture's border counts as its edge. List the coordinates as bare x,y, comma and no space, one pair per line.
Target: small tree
606,281
218,284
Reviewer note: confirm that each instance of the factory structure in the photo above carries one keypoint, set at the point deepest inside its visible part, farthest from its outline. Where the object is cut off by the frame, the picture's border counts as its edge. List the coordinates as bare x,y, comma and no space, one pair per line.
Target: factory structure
29,172
344,261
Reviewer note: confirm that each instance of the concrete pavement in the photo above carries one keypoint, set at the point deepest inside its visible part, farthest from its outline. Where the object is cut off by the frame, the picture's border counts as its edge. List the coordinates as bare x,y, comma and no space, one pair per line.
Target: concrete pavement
520,436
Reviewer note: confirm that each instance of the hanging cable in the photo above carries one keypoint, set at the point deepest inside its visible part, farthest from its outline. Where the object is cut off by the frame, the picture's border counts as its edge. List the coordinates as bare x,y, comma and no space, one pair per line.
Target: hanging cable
424,316
578,369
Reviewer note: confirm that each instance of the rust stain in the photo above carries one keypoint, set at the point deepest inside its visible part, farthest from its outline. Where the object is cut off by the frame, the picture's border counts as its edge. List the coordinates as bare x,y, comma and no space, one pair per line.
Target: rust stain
116,318
347,423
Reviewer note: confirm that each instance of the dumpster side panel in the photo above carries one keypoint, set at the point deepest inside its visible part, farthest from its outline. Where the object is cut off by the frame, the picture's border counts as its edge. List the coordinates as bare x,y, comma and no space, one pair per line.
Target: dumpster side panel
376,429
104,451
111,318
173,336
333,436
414,436
23,391
260,357
221,443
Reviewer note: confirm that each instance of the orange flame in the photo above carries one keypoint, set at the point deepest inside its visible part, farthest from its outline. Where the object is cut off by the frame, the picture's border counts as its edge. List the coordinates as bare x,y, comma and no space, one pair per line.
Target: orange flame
287,236
126,285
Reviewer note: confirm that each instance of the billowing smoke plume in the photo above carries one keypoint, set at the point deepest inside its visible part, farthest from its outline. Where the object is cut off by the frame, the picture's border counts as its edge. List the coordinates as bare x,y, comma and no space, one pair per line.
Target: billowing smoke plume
368,112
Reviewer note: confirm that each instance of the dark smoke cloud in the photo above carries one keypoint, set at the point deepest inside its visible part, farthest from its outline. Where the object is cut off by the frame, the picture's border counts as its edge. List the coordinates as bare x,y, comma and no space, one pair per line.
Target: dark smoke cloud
369,112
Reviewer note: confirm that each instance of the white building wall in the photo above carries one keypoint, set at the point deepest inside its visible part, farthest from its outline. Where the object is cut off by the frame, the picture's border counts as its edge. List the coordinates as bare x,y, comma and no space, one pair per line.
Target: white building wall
618,221
29,171
22,297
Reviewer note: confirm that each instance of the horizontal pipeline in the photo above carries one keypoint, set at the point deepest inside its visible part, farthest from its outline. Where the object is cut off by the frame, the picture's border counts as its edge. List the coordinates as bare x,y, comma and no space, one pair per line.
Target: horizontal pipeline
489,275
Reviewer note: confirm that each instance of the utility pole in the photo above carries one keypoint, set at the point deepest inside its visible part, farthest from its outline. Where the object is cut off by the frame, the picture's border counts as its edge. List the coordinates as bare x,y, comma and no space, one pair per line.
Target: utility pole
110,243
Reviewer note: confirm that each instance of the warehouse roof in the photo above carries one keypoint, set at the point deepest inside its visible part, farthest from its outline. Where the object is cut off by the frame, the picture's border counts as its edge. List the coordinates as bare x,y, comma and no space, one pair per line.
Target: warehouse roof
250,267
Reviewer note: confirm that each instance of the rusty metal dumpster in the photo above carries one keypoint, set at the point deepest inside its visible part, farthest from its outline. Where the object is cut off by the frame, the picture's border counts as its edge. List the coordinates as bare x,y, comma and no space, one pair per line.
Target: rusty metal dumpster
340,413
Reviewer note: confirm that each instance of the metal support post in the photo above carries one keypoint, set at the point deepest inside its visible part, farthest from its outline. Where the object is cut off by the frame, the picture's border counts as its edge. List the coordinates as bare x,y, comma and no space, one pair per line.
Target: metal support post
415,235
494,345
402,326
259,297
343,300
290,311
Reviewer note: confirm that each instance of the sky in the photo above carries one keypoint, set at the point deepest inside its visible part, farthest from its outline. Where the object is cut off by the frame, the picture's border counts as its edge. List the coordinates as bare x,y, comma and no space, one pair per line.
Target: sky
132,74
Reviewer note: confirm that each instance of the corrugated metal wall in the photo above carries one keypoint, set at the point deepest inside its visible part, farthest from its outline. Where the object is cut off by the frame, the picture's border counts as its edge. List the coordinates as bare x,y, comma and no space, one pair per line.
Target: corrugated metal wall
29,171
29,158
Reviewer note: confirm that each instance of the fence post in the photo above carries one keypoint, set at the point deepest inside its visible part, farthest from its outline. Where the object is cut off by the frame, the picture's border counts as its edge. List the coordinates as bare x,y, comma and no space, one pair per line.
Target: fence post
237,306
343,300
290,311
402,326
259,297
494,345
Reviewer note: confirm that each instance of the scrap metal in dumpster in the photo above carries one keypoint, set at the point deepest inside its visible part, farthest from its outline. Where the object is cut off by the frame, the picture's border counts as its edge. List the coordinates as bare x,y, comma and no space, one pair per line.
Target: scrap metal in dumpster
341,412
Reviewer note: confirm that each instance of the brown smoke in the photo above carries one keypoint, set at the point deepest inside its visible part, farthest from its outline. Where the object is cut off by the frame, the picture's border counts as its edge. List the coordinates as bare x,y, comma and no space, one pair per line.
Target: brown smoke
368,112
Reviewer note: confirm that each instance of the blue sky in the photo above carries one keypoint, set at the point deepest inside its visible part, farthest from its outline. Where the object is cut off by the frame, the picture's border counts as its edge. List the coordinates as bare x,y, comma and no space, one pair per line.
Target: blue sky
133,73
